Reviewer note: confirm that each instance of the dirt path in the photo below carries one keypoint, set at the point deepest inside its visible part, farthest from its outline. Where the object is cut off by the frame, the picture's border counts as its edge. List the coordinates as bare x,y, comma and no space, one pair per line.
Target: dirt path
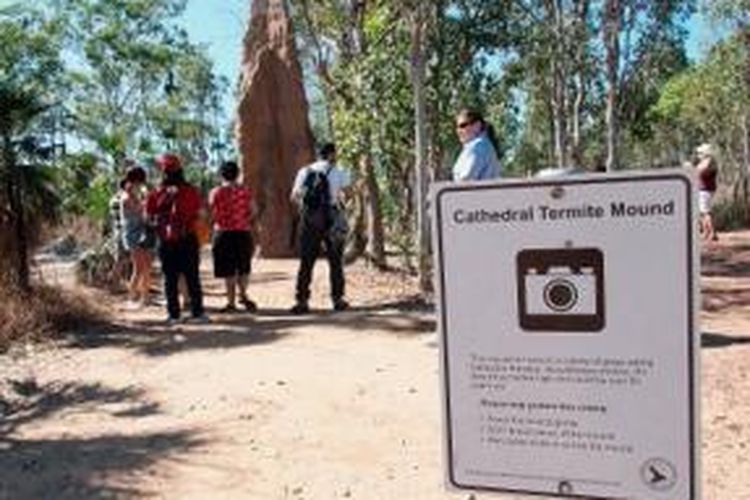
278,407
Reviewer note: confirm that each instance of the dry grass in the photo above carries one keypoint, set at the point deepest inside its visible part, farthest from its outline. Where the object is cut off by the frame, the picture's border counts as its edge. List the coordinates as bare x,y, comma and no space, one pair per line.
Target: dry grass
46,313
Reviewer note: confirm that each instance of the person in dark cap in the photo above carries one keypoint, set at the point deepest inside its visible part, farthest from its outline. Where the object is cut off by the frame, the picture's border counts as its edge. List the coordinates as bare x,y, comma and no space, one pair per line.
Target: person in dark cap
319,190
174,208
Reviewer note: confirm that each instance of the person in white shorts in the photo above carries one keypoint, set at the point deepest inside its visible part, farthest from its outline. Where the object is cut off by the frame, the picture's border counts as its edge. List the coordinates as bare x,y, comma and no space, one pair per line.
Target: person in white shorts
707,171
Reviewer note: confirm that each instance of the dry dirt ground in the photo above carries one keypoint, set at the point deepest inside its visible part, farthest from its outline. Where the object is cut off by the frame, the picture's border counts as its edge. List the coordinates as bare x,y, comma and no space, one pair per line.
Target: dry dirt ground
270,406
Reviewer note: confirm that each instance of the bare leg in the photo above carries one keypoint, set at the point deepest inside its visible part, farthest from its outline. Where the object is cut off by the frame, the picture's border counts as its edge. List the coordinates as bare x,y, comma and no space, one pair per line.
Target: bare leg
183,291
145,285
242,281
709,233
134,282
231,295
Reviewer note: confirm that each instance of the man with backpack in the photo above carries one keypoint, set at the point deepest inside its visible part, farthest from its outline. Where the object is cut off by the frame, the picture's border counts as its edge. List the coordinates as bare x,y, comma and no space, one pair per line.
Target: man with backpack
173,209
318,192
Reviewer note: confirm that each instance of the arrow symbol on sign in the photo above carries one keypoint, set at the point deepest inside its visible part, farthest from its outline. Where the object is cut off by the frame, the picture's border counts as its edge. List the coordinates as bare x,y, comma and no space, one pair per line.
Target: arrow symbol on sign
656,476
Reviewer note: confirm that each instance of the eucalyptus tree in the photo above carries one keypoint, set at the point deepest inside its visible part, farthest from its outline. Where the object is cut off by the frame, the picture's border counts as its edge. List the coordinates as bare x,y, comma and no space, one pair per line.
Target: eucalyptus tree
737,14
590,70
709,103
30,44
351,43
137,82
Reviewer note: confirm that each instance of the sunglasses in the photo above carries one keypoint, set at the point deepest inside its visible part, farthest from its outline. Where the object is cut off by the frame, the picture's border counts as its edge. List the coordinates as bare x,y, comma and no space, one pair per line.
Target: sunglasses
463,125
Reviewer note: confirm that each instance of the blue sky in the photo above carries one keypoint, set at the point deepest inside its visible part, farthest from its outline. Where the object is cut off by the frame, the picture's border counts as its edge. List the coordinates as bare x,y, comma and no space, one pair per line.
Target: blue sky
220,26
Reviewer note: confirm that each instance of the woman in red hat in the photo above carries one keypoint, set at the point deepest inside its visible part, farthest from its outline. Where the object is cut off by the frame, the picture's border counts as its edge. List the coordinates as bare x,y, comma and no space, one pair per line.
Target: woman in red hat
174,208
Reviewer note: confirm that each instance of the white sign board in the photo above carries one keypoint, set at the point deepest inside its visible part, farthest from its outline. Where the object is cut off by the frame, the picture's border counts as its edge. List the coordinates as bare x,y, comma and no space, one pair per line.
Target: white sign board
568,335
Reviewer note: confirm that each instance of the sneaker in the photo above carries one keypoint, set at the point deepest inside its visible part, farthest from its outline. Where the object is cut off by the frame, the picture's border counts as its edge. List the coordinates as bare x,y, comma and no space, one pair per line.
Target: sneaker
202,319
170,321
250,306
340,305
300,308
133,305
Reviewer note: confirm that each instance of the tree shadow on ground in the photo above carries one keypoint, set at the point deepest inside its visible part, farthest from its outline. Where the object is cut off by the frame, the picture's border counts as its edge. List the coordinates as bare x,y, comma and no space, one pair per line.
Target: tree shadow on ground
717,300
729,262
71,467
25,402
711,340
225,331
155,339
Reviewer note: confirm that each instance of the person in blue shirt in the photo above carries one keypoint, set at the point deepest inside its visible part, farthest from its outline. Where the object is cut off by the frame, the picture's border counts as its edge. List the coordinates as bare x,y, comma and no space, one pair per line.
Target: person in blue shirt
478,158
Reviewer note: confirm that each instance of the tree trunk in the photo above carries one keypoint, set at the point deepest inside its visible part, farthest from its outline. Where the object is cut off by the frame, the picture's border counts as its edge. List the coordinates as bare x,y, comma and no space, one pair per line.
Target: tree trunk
375,231
19,274
580,40
611,34
558,74
418,76
745,30
357,241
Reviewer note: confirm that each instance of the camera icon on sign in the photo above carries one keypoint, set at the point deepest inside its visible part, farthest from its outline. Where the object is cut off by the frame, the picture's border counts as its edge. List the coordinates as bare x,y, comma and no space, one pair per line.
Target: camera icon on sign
561,289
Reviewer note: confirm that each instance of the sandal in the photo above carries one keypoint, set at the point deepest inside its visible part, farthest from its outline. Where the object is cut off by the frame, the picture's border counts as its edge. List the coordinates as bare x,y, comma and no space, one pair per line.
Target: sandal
229,308
250,306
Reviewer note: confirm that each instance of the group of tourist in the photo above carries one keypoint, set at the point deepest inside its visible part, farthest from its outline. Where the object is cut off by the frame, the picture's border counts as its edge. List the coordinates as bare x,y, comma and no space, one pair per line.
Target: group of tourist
165,221
162,220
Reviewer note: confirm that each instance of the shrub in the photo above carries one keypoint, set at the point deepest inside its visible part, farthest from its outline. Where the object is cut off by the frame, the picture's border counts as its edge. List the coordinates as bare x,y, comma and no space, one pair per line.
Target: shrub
46,313
730,213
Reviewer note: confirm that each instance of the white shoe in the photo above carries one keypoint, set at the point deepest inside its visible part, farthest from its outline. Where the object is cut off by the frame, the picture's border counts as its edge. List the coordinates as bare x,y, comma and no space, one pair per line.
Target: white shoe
200,320
170,321
133,305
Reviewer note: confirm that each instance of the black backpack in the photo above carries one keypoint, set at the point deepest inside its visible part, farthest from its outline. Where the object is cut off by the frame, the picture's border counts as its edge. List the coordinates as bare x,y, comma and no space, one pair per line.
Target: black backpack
316,202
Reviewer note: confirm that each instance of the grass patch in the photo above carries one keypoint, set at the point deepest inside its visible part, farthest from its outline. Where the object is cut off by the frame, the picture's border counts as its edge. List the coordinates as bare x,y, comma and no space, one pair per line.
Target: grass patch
46,313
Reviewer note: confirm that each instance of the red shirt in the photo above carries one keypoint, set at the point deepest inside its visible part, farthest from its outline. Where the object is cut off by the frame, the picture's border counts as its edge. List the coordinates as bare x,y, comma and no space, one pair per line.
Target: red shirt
230,207
187,203
707,176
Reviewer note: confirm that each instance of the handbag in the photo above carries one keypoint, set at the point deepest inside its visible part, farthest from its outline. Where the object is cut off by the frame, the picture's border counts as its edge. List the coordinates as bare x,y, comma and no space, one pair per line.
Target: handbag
339,224
148,237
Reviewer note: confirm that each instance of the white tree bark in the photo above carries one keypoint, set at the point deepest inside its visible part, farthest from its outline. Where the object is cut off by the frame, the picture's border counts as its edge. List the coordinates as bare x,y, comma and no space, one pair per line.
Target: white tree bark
611,34
418,76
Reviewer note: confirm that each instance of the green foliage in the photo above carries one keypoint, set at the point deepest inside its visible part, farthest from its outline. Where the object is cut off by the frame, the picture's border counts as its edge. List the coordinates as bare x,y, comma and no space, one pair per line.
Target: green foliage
30,46
708,102
131,81
74,176
97,197
139,84
730,214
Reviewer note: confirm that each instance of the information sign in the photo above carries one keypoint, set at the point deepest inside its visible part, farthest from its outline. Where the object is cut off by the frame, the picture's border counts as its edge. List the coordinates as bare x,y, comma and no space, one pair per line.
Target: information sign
568,341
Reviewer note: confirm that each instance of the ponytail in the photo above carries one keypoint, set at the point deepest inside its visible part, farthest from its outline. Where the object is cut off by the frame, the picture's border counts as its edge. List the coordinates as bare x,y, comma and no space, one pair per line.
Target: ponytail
474,115
489,129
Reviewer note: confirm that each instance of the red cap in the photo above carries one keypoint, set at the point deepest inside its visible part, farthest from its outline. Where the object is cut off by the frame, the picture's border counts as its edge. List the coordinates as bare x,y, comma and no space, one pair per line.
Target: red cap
168,162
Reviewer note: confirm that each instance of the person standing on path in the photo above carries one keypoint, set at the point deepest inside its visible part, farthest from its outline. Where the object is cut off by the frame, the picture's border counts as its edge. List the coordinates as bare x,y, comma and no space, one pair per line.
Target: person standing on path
319,190
478,158
232,246
138,238
707,172
174,208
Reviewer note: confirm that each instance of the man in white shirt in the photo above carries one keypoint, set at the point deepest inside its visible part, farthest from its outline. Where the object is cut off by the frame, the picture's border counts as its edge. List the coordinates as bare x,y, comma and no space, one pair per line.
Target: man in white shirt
319,190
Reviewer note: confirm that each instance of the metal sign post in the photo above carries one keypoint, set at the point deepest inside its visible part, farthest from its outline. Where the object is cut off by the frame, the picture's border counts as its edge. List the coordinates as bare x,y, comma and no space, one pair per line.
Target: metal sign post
568,335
